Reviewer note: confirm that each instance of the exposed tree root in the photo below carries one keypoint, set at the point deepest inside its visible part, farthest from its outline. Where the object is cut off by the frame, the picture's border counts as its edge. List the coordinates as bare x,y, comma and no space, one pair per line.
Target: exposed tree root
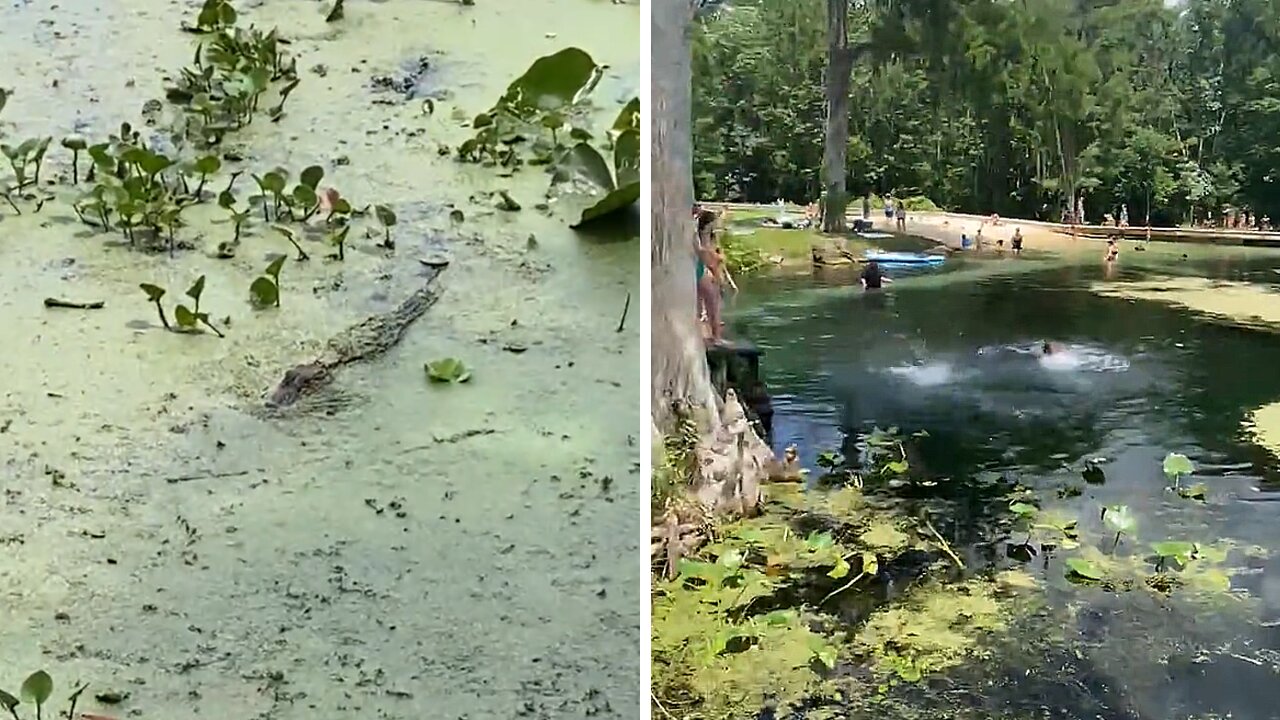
364,341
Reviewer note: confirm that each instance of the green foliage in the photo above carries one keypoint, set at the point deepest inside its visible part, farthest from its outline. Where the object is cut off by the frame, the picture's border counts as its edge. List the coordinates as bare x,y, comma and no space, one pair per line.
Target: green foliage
1014,108
1120,519
447,370
540,120
36,690
186,319
232,70
1084,569
265,290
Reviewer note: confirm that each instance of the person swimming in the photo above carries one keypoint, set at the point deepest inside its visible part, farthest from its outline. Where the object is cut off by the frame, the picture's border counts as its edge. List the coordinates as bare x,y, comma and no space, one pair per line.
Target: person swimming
1113,250
1049,347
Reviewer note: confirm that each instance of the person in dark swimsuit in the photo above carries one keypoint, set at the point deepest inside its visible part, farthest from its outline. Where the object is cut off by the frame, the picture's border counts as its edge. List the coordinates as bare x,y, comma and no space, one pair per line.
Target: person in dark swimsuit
1113,251
872,279
1016,242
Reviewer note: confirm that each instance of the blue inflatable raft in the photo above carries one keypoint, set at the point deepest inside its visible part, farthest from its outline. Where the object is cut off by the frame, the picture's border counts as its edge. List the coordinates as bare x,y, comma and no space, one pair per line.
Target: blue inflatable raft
897,258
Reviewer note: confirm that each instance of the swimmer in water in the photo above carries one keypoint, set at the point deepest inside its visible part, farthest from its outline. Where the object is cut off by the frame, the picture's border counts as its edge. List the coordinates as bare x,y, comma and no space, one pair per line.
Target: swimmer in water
1113,251
1048,348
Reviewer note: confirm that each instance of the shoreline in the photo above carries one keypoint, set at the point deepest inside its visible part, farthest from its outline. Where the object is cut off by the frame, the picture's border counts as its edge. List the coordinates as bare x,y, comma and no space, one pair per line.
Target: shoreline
1044,229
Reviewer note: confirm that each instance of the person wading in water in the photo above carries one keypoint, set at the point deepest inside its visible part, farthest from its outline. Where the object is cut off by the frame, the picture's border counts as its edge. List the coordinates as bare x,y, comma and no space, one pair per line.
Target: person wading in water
872,279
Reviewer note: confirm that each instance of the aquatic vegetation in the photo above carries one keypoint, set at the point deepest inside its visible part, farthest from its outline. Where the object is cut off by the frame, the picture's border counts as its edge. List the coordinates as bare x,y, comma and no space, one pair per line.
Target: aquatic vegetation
36,690
545,111
76,145
188,319
1178,552
28,153
387,218
1120,519
335,13
265,290
1177,466
582,167
287,234
232,69
1084,569
937,628
338,238
447,370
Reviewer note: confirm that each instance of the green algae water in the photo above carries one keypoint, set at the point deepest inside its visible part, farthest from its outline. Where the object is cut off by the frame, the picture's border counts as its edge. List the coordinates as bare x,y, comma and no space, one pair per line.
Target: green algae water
1171,351
406,551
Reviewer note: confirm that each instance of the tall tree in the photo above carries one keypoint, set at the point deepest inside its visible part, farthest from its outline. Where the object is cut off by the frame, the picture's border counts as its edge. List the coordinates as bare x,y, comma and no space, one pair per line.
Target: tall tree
839,77
732,461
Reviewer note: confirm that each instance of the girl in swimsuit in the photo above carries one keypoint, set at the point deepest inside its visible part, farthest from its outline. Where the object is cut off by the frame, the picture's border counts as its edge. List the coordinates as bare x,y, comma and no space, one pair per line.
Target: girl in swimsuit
708,273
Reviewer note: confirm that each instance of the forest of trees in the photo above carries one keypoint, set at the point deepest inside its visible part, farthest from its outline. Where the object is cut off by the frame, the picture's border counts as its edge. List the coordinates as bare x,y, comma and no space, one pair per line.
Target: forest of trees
1007,106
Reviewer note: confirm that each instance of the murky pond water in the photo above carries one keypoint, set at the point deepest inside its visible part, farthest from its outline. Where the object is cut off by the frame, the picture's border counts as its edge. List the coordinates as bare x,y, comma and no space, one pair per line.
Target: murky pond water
412,551
1140,373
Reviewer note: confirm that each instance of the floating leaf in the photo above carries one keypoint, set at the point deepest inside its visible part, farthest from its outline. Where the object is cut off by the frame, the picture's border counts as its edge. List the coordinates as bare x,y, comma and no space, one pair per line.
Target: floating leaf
385,215
274,268
840,570
1195,492
1084,568
731,559
1120,518
154,292
1023,510
196,290
552,82
870,565
184,316
37,688
779,618
1175,550
74,142
447,370
824,652
897,467
1176,465
273,182
207,165
264,292
312,176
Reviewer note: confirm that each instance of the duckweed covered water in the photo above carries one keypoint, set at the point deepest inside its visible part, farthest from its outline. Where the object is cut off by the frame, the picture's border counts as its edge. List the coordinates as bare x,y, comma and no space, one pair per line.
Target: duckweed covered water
1171,351
400,550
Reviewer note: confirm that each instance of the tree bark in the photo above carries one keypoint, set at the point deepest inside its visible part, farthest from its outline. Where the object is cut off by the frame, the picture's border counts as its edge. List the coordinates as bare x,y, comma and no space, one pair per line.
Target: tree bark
732,461
839,77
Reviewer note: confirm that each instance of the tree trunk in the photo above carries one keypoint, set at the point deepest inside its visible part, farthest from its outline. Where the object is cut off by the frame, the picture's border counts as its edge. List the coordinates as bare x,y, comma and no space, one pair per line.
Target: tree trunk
732,461
839,77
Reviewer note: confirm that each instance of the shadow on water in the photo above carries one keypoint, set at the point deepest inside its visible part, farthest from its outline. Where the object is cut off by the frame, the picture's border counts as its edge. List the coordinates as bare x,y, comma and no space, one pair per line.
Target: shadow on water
956,353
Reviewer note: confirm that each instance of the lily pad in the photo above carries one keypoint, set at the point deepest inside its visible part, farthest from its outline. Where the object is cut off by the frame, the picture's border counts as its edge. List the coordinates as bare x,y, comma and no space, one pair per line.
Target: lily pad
1120,518
552,82
1178,550
1023,510
264,292
37,688
1176,465
1083,568
447,370
1195,492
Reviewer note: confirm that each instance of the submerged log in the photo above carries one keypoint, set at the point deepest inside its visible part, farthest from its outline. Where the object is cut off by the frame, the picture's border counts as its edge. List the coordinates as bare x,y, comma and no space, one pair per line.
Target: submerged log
363,341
